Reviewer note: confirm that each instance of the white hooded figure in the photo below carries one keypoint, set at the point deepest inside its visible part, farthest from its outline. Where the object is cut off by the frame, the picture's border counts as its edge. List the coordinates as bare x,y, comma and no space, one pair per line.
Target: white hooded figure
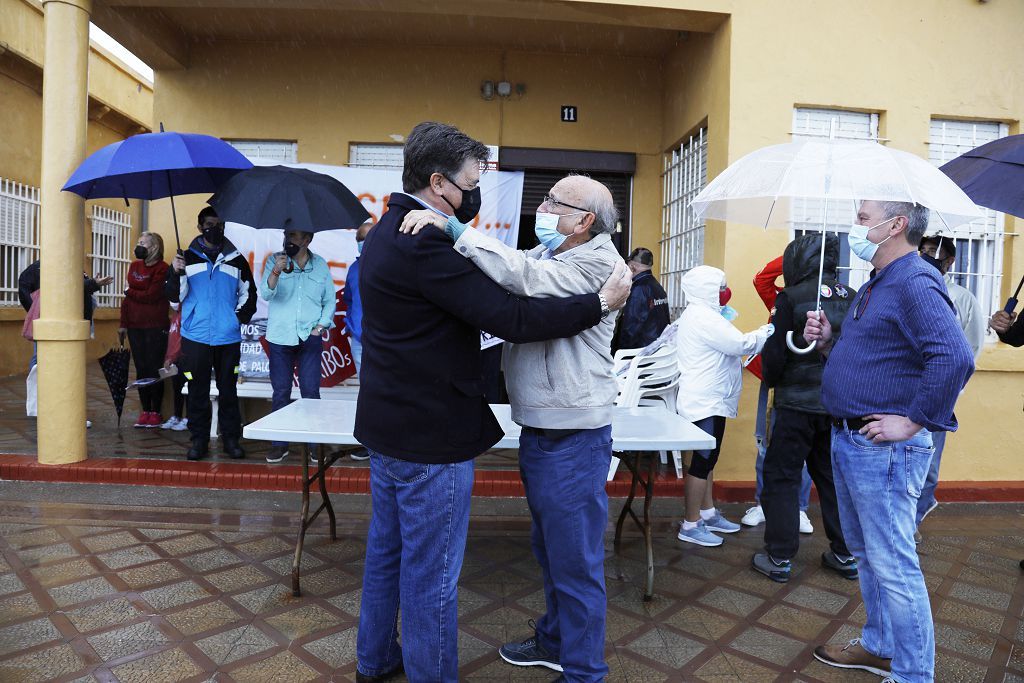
710,351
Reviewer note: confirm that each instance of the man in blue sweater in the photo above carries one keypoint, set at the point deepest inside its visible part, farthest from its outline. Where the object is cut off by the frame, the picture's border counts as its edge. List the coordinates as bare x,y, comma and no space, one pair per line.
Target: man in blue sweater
213,283
891,378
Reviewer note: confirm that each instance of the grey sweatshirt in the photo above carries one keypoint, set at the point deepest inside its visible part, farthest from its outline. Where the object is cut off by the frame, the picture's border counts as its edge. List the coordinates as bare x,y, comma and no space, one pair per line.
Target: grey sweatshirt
560,383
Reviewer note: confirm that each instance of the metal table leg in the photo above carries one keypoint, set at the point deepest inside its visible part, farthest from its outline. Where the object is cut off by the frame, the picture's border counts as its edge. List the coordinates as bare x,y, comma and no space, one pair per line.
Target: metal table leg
306,520
633,461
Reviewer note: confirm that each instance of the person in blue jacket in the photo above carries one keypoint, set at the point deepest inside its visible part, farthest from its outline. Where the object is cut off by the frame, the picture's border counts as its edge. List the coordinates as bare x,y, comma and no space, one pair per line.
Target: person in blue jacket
646,311
213,283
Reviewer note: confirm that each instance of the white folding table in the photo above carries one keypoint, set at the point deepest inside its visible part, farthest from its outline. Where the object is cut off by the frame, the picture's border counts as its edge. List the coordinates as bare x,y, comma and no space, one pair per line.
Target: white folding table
637,430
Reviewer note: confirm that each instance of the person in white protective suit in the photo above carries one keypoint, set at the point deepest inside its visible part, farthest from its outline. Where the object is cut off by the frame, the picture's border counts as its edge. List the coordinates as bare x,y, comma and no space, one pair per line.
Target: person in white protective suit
710,351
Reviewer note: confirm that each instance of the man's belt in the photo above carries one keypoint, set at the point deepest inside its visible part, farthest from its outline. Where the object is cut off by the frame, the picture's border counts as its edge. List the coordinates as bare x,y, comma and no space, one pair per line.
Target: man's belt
853,424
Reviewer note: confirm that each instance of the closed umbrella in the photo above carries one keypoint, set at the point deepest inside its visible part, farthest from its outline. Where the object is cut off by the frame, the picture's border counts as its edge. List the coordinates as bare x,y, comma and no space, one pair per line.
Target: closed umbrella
115,370
993,176
760,187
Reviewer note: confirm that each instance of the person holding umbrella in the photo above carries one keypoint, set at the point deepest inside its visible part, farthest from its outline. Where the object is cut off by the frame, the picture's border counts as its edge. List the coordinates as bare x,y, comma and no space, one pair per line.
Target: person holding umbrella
144,321
890,379
1009,327
298,287
214,285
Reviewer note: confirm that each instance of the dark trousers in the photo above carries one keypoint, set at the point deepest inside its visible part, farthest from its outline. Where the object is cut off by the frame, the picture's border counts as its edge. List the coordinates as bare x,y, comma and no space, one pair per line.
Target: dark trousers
148,349
178,382
283,360
797,438
200,363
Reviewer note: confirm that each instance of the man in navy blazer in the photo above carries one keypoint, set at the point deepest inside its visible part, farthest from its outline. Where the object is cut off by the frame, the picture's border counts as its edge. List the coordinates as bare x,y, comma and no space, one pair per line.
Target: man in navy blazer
422,413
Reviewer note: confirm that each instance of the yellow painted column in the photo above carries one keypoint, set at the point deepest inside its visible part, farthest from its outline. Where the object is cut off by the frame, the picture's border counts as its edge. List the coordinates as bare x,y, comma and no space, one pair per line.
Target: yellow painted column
61,330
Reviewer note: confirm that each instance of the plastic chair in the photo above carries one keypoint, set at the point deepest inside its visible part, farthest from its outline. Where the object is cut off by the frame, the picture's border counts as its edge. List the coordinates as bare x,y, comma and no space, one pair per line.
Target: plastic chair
652,379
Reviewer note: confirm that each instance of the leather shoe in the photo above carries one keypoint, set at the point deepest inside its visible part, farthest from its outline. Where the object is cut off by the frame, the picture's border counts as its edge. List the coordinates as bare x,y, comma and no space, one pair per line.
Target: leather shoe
198,451
233,450
364,678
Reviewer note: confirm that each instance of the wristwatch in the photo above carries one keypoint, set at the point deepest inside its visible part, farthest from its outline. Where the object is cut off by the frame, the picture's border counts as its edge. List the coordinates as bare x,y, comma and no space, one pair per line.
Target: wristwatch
605,309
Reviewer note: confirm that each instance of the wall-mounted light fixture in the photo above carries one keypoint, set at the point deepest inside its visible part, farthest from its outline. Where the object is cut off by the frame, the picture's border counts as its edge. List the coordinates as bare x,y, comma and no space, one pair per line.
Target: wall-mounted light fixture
504,89
487,90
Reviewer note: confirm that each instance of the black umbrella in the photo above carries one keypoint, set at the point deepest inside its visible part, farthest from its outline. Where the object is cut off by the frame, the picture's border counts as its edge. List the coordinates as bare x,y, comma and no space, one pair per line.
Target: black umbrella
115,371
284,198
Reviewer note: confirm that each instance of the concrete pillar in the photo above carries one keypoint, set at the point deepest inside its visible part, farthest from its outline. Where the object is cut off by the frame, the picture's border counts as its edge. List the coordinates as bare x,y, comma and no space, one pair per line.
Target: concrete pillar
61,330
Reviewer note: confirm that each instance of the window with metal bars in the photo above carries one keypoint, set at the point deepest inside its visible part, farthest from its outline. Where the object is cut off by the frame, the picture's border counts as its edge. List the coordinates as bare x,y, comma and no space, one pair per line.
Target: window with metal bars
684,174
281,151
979,244
111,249
19,235
371,155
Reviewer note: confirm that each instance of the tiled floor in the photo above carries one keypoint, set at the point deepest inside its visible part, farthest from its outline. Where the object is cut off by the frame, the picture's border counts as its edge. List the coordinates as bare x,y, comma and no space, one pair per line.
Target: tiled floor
137,584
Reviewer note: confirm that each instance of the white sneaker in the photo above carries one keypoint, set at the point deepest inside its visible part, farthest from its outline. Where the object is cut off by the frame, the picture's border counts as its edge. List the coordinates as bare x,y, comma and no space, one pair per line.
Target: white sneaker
754,516
181,426
805,524
171,423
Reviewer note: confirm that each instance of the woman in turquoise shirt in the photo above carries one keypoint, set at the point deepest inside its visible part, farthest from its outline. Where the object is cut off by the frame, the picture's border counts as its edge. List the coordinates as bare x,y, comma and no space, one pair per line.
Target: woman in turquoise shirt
298,288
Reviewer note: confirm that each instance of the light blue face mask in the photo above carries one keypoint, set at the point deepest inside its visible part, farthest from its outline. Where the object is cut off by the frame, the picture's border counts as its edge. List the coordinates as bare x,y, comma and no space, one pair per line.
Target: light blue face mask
359,247
860,244
546,228
729,313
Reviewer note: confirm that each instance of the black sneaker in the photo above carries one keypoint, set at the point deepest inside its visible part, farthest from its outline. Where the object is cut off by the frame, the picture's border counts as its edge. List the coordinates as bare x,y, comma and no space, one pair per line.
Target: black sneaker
232,449
529,653
846,567
776,570
277,453
198,451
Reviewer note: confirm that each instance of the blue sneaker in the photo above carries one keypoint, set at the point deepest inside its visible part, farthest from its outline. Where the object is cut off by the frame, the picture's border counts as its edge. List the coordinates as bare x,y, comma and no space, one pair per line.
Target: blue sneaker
699,535
721,524
846,567
529,653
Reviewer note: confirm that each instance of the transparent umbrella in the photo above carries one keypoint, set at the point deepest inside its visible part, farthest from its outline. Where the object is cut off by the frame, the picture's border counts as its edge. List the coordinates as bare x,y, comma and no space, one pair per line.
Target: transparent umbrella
760,188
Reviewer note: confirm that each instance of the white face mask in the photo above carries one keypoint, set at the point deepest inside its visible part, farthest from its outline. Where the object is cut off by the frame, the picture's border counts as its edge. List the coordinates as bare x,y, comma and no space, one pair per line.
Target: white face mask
546,227
859,242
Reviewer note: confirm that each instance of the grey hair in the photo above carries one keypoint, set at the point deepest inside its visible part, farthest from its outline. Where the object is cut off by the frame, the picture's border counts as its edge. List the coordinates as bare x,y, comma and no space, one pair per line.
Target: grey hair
606,216
917,218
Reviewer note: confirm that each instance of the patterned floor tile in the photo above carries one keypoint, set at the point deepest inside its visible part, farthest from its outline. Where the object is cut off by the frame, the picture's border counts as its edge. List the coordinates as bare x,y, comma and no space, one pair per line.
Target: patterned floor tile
186,544
63,572
169,666
210,560
817,599
267,599
283,564
103,615
81,591
302,621
732,601
976,595
230,646
25,539
42,665
271,545
105,542
18,607
201,618
126,641
798,623
231,580
339,649
126,557
150,575
32,557
26,634
283,666
176,594
768,646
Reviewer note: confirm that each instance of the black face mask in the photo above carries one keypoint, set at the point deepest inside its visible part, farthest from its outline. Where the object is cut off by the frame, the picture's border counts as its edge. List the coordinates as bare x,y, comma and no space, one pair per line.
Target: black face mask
214,236
141,252
933,261
291,249
470,206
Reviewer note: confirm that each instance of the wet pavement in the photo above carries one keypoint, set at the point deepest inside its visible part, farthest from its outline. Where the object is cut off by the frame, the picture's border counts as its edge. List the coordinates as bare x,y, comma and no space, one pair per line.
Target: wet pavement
131,583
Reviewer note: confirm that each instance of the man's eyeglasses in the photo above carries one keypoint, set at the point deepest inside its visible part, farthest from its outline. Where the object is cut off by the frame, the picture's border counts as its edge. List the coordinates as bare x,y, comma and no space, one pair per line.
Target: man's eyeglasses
551,201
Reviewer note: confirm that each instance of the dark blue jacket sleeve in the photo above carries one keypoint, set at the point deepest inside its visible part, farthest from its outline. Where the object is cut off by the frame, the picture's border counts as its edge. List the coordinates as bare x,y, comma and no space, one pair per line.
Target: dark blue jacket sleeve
459,287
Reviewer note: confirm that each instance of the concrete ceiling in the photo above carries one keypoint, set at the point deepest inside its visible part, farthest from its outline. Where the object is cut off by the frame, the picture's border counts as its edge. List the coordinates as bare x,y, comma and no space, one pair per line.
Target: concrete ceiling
162,32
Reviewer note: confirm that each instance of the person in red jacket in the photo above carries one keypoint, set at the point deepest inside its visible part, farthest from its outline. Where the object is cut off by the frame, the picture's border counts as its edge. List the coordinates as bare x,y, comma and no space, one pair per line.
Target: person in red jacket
144,321
766,284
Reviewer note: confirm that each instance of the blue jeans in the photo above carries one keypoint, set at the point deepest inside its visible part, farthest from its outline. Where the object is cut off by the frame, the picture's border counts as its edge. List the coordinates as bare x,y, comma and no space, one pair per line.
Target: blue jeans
928,490
761,438
283,360
357,352
564,478
414,552
878,486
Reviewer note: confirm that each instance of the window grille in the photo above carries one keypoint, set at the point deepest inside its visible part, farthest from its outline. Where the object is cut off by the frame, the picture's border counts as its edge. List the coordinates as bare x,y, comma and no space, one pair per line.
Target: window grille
363,155
682,233
111,248
19,235
281,151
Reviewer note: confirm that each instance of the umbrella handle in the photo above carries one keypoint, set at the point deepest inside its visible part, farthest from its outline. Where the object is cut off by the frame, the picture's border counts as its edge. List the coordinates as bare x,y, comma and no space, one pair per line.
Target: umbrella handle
796,349
1011,304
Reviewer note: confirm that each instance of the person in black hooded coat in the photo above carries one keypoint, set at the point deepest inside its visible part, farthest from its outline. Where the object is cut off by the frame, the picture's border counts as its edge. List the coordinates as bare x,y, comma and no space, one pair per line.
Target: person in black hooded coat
802,431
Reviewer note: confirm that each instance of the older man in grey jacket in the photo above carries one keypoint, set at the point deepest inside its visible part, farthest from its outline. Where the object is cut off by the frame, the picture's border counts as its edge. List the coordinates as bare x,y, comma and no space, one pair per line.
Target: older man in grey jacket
562,392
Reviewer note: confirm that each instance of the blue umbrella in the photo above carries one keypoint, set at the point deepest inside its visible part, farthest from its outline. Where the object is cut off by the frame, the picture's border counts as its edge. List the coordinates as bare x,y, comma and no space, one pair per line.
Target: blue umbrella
993,176
157,165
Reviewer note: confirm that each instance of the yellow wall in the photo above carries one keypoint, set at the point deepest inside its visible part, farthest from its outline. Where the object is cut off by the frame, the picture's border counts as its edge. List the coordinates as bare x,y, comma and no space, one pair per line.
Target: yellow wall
909,61
269,92
112,85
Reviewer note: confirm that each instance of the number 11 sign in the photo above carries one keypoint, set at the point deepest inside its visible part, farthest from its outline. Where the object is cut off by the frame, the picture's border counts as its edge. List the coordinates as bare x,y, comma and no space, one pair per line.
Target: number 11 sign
568,113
